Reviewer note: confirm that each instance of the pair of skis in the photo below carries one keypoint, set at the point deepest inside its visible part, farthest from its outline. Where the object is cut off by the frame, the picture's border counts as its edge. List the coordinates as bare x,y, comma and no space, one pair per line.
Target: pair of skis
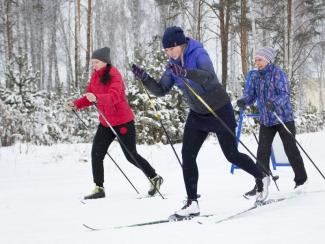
176,218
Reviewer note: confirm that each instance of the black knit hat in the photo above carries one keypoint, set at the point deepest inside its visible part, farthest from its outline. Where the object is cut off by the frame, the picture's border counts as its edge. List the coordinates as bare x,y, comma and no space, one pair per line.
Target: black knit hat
102,54
173,36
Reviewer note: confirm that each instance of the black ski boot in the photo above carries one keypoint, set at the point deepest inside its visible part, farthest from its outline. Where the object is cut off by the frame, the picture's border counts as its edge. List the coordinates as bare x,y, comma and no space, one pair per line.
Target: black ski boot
155,186
98,192
251,193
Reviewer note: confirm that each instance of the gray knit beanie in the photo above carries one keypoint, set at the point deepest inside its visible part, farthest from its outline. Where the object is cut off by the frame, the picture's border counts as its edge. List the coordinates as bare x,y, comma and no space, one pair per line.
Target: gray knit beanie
102,54
266,53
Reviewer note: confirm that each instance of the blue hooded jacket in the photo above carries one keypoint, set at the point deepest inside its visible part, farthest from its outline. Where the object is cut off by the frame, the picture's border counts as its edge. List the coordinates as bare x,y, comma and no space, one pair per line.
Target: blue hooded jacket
269,84
200,76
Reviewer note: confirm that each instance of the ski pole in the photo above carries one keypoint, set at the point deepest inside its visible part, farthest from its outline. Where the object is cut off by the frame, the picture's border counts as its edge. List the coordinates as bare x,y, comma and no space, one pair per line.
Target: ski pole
227,128
124,146
161,123
84,124
286,128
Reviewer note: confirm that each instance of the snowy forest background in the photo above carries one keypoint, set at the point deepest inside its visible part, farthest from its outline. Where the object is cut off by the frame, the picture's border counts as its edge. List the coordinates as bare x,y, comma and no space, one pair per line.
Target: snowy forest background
45,49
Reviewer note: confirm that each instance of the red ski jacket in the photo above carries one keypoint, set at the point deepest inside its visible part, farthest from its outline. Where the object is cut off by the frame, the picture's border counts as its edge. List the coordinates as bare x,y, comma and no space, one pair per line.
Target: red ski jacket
111,98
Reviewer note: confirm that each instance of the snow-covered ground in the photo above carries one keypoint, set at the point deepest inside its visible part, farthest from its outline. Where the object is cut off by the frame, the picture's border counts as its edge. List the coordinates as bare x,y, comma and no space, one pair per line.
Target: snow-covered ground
41,188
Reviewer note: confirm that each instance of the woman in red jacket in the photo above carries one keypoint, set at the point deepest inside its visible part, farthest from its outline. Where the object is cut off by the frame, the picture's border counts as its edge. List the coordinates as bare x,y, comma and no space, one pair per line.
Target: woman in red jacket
106,89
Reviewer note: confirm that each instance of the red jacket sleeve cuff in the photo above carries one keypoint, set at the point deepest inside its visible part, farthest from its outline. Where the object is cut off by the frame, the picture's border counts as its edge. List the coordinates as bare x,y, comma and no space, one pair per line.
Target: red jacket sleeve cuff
82,102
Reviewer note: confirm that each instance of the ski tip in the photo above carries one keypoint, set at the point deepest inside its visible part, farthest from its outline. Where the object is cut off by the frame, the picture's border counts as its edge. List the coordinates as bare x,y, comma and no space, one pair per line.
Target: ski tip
149,196
90,228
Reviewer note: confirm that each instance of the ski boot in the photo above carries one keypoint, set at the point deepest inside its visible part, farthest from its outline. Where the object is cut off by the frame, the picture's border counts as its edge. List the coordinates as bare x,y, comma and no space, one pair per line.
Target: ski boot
98,192
155,186
188,211
251,193
262,189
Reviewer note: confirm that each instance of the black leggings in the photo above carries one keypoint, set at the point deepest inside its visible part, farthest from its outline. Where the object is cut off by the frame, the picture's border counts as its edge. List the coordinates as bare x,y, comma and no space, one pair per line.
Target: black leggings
266,137
192,142
103,139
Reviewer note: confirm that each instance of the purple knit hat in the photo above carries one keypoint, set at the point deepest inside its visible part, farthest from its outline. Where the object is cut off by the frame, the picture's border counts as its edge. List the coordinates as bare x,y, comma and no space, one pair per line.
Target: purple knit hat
266,53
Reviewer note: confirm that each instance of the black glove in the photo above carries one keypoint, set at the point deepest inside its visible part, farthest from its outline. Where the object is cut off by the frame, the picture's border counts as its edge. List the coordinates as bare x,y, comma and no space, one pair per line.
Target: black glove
270,106
241,103
139,73
177,70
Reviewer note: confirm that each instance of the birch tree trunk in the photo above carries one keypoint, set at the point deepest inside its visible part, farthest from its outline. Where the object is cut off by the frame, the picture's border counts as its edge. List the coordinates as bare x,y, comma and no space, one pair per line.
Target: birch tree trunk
49,84
290,21
136,22
253,18
89,36
321,82
24,23
57,81
97,25
125,49
224,14
66,45
77,43
234,83
197,19
8,37
37,40
244,37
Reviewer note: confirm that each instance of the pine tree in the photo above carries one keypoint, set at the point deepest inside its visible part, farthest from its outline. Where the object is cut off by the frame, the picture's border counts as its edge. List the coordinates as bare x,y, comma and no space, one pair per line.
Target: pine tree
171,108
23,92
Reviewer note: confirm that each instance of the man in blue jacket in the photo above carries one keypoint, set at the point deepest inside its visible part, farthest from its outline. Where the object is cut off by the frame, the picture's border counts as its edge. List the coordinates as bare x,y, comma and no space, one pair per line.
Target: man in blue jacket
268,85
189,61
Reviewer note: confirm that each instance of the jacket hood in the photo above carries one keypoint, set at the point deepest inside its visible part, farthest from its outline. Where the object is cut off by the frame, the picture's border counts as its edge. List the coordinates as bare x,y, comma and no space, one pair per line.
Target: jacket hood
191,46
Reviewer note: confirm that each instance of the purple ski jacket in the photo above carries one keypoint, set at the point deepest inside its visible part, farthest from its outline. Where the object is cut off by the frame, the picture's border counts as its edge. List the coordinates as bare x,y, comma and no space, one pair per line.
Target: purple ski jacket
269,84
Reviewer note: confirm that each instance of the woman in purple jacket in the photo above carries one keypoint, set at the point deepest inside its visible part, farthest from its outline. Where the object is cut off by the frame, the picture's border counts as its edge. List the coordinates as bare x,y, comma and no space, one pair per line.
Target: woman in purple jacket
268,85
189,60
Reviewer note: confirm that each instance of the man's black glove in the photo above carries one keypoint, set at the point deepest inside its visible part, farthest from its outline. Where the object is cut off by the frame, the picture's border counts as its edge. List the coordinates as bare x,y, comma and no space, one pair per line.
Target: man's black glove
241,103
270,106
177,70
139,73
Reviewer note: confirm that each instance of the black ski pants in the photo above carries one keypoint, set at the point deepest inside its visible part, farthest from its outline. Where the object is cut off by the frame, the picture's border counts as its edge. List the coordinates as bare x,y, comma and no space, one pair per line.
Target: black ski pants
266,137
103,139
193,139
